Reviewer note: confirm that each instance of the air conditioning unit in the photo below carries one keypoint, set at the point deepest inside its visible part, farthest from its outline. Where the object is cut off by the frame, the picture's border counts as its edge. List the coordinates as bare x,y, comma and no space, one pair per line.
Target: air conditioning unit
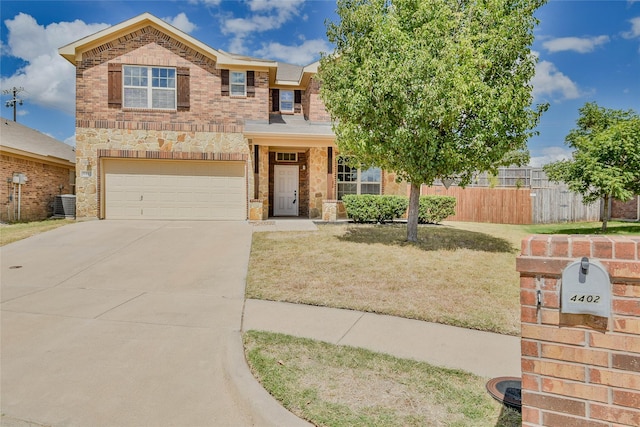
64,206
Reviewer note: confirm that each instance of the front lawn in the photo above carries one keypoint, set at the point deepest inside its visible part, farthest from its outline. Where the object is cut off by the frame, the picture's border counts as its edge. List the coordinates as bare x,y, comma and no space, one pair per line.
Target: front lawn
453,276
460,274
344,386
10,233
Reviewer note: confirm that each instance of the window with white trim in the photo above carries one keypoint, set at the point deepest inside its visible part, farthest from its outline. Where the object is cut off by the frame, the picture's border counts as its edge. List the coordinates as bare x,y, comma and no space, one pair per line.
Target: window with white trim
149,87
238,83
357,181
286,101
286,157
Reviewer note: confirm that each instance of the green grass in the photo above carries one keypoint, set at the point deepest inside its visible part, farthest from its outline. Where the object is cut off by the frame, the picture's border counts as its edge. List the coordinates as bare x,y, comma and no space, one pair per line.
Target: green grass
613,228
10,233
332,385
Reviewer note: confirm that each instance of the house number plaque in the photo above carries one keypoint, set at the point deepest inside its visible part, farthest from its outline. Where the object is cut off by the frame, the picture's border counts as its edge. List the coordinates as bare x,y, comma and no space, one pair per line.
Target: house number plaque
586,289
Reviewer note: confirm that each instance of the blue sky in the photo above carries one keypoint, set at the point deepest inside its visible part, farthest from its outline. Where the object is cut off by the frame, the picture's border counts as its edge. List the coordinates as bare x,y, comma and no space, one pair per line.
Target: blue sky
589,51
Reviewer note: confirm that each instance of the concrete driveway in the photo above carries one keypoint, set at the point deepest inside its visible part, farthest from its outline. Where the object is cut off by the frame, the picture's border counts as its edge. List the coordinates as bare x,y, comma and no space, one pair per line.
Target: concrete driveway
129,323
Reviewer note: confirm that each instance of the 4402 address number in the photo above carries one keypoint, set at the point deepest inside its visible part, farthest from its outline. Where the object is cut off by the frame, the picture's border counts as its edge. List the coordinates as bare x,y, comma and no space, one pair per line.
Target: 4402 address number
585,298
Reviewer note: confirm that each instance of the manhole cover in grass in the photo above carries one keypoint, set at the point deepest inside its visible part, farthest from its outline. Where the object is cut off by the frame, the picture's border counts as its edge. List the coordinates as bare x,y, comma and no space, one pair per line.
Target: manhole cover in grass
507,390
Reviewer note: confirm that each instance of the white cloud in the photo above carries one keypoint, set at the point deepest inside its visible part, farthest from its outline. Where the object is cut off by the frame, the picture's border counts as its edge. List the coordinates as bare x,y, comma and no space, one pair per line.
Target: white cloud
48,79
576,44
635,29
206,2
302,54
181,22
550,82
71,141
550,154
265,15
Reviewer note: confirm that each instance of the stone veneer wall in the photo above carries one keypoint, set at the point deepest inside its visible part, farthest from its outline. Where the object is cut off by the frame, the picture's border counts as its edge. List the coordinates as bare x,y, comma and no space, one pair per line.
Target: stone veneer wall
579,370
38,193
263,173
317,180
159,144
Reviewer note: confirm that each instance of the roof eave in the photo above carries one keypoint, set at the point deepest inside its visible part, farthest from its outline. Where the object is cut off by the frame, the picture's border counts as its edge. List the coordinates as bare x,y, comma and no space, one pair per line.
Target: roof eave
73,51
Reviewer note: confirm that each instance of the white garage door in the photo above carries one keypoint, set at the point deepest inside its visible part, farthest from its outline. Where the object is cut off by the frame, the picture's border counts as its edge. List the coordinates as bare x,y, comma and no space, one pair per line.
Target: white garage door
168,189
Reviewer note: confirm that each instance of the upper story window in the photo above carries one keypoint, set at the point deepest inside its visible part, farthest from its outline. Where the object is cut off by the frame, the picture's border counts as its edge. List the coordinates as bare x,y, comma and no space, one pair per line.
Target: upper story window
238,83
149,87
357,181
286,101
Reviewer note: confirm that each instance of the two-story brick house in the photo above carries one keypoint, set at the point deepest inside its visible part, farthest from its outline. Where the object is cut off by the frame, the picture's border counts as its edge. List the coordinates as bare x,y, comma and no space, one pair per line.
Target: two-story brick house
170,128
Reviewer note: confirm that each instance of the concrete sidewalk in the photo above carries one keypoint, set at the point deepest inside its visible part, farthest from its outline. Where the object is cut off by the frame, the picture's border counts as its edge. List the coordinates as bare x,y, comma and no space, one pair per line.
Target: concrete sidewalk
482,353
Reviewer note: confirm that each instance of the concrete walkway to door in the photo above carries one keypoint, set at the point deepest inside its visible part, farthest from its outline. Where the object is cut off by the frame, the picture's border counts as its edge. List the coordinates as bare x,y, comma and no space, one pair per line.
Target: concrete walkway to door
129,323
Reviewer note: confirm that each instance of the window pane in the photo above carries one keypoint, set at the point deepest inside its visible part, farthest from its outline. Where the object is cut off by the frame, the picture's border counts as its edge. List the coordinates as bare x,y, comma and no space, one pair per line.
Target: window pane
351,188
135,76
286,95
238,77
286,106
164,99
164,77
370,189
370,175
237,90
135,98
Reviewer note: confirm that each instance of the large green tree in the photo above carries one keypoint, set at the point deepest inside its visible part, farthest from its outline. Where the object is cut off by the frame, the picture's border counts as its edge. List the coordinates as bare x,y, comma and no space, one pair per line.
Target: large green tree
431,89
606,160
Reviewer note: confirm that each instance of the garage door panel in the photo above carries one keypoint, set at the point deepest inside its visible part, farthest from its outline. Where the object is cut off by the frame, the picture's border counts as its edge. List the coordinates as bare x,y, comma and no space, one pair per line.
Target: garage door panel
174,190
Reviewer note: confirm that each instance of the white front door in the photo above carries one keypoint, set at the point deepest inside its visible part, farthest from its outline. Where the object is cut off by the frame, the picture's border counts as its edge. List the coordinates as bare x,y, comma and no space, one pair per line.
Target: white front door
285,191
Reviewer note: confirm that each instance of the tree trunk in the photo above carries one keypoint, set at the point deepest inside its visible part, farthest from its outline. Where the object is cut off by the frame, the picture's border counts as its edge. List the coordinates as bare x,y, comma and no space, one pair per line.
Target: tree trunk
412,216
605,214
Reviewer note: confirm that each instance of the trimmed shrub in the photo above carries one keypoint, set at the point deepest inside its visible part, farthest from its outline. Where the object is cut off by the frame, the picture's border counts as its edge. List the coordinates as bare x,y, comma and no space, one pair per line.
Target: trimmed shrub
434,209
374,208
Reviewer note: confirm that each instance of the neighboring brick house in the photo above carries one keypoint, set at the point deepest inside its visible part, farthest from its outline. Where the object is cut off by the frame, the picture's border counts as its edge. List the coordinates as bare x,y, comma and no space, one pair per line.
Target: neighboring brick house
169,128
34,168
626,210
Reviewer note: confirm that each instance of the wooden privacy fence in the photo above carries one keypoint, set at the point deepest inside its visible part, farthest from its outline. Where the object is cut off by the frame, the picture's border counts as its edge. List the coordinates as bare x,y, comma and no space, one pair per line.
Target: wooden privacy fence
516,205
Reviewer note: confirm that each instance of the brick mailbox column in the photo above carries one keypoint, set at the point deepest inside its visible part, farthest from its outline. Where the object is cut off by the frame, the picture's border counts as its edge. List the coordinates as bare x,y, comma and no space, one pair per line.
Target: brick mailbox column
579,369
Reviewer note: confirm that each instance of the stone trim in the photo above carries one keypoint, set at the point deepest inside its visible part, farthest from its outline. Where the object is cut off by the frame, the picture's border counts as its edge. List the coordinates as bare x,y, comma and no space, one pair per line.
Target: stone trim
170,155
160,126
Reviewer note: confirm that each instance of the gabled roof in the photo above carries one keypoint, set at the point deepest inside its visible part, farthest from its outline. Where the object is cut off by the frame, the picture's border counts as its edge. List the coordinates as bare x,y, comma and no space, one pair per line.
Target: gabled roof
73,51
23,140
281,74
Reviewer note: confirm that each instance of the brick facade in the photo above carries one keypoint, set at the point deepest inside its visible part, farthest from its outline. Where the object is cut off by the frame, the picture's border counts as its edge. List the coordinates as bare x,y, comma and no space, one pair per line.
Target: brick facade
149,46
626,210
578,369
45,181
312,106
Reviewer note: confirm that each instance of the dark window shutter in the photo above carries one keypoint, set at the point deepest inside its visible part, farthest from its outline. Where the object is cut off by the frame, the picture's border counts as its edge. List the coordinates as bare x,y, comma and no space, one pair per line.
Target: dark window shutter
184,95
251,84
115,85
225,82
297,95
330,160
275,100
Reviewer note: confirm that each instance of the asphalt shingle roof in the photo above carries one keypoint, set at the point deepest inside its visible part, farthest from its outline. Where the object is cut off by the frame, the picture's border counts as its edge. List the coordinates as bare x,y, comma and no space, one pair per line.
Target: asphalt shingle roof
20,137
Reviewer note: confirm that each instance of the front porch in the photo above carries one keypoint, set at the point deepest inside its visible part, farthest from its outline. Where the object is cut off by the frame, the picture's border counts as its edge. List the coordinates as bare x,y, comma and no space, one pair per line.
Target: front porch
296,173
